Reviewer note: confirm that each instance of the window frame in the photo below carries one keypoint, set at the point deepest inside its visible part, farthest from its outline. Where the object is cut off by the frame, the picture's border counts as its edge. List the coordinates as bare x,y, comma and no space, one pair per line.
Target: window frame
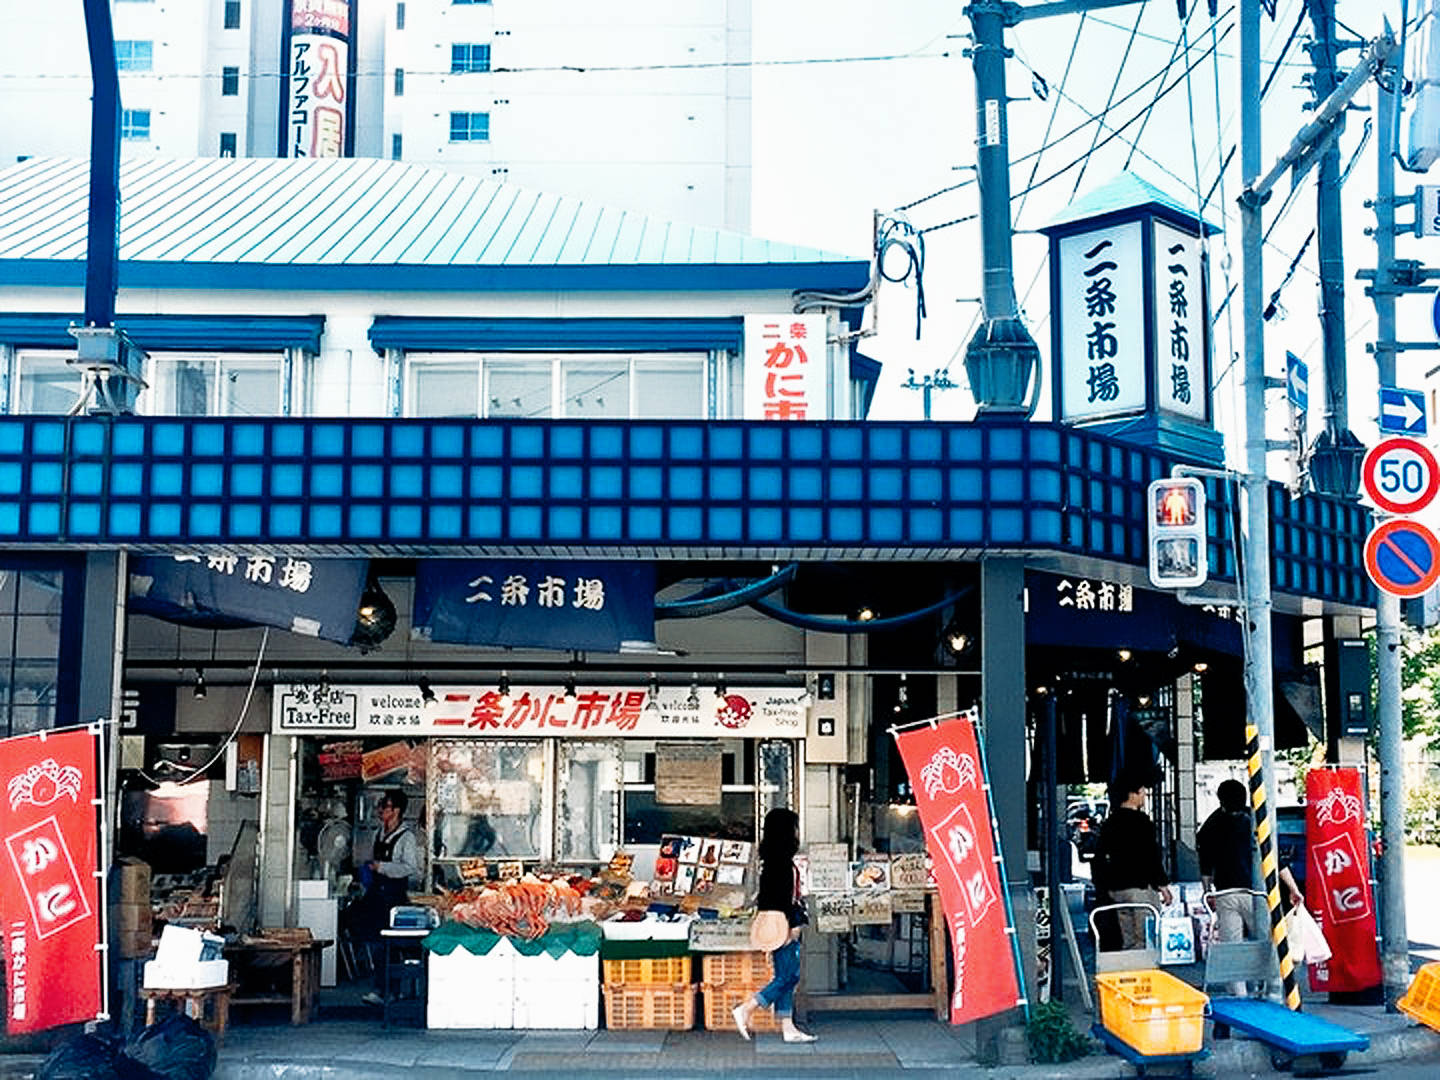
398,87
469,135
234,144
230,81
225,363
469,57
129,56
230,19
695,363
130,129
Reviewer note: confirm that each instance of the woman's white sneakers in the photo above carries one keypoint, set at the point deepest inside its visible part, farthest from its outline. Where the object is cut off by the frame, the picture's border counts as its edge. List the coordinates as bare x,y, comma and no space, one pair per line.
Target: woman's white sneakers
792,1034
742,1016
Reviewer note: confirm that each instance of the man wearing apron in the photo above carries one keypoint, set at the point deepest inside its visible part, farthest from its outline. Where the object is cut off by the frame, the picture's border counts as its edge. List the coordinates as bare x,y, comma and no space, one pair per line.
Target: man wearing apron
396,860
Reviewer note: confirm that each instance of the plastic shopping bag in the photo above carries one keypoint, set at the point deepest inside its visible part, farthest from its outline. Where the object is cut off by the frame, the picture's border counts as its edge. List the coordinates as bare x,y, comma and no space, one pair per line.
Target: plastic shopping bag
1177,939
1307,943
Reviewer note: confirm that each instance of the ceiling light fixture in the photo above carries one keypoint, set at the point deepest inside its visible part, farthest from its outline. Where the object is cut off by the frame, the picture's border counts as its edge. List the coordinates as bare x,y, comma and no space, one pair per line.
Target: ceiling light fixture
719,685
693,701
200,688
427,692
504,687
865,614
570,686
653,705
1124,655
1201,666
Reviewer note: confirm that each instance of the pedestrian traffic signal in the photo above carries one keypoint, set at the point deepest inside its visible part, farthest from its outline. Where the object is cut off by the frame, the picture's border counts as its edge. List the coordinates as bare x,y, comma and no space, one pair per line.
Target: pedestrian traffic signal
1176,508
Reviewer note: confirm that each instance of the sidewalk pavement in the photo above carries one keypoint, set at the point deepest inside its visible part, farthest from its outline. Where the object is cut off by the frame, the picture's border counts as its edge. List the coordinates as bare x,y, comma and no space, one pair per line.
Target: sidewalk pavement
850,1047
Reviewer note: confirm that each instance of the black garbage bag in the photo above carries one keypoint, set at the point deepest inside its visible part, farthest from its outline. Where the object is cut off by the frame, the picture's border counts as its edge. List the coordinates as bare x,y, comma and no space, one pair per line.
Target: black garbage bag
92,1057
176,1048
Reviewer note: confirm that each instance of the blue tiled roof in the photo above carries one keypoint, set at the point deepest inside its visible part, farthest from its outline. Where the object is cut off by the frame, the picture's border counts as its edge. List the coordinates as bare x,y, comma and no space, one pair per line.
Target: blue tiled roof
182,216
1125,192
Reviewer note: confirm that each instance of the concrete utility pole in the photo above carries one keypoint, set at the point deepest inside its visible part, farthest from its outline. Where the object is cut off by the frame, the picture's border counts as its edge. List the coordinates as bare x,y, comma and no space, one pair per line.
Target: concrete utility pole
1336,453
1395,951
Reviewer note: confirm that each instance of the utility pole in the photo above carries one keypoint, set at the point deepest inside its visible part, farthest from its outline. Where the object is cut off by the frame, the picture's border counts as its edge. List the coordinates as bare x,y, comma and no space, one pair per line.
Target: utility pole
1395,951
928,384
1336,453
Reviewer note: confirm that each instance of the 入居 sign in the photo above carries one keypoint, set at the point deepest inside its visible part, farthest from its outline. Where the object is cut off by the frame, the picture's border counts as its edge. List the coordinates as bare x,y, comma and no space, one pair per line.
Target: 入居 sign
594,606
598,712
786,368
318,70
48,894
1102,323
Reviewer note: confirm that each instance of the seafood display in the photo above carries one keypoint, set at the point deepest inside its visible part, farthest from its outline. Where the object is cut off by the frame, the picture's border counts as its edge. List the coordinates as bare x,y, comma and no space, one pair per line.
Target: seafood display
523,908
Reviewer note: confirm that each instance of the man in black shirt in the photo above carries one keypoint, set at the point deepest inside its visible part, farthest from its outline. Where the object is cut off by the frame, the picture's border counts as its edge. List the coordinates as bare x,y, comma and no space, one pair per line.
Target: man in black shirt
1128,866
1226,846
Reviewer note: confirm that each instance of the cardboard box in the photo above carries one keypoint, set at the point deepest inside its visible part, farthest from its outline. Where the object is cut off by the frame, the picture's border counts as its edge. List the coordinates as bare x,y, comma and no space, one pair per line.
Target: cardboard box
130,882
131,928
196,976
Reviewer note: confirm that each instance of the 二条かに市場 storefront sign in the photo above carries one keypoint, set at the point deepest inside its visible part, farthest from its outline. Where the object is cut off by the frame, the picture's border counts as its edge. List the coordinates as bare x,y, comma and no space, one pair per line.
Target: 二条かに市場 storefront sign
591,712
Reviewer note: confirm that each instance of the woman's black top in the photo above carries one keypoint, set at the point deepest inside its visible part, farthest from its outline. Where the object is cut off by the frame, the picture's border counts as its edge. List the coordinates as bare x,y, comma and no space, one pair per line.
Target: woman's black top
777,890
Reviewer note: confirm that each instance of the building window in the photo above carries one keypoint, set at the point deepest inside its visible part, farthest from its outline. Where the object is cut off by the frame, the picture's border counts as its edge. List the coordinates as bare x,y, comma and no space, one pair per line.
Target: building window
469,1
395,145
400,15
134,55
135,124
32,632
227,144
229,82
469,127
466,58
399,82
46,383
651,386
225,384
232,14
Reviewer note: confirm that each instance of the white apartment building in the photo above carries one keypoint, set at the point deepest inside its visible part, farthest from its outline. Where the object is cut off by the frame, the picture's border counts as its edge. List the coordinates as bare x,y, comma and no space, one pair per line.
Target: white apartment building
642,106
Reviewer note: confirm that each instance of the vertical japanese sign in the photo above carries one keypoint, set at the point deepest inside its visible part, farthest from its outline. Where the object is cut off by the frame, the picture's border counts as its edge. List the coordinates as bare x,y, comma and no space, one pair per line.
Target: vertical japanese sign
48,899
1181,385
1102,324
1337,880
943,763
786,368
318,79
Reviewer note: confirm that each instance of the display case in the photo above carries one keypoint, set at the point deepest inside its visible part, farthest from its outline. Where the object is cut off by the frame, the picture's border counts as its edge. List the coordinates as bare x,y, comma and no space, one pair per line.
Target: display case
488,799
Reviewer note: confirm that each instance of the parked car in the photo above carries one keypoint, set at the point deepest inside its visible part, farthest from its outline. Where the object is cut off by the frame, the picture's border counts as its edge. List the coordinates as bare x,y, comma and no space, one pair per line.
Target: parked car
1082,825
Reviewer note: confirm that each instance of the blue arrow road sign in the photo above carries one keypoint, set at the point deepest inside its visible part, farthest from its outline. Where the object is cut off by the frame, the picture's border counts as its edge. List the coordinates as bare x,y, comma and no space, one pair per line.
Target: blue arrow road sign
1297,381
1402,411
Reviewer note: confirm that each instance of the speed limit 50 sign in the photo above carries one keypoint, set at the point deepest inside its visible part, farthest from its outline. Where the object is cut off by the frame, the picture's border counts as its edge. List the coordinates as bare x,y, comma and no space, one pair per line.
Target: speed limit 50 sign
1400,475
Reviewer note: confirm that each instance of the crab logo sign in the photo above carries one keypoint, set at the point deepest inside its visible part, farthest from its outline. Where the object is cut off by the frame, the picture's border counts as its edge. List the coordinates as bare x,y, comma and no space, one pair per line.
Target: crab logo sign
955,814
1337,880
48,900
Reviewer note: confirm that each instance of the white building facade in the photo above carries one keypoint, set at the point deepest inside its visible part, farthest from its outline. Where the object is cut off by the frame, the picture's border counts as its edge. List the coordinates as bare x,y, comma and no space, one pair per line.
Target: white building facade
645,107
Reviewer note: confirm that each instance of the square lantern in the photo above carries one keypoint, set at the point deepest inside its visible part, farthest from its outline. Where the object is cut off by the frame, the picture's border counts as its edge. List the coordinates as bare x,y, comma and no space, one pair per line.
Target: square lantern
1130,319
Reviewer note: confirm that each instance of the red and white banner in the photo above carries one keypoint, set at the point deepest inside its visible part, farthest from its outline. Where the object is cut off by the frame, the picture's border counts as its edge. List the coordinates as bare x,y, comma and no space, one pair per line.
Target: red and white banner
1337,880
48,892
943,763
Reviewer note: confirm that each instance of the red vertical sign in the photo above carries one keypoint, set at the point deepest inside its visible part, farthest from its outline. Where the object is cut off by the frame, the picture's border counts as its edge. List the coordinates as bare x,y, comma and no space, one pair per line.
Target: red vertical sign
1337,880
48,894
943,763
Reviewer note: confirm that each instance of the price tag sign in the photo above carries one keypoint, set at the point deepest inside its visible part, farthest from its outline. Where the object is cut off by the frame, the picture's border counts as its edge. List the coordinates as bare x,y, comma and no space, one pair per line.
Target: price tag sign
1400,475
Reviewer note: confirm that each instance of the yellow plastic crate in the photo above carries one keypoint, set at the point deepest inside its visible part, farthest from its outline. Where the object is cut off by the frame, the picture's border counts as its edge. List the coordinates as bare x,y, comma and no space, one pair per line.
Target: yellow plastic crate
652,971
1422,1001
1153,1011
752,969
635,1008
720,1002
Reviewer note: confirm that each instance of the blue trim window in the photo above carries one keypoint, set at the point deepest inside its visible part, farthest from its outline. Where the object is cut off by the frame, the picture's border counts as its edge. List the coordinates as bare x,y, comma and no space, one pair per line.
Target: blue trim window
469,127
134,55
400,15
232,14
591,386
43,382
469,1
397,147
218,384
399,82
135,124
229,82
469,58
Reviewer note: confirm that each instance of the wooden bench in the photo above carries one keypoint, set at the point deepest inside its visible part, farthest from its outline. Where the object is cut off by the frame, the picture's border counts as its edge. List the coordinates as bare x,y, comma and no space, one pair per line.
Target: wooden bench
192,1001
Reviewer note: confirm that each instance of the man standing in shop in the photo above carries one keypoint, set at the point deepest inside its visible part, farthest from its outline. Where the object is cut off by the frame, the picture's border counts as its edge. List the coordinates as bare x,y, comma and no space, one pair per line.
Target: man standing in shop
387,875
1128,867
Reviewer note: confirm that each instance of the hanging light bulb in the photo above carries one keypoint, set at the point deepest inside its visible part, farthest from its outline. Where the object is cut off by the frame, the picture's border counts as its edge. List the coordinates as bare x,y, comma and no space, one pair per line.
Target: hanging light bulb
720,686
427,692
200,688
570,686
902,699
504,687
653,705
693,701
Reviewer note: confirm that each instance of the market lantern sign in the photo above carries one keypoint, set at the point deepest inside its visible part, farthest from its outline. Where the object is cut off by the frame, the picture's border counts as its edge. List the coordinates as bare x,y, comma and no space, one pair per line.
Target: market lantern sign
1101,320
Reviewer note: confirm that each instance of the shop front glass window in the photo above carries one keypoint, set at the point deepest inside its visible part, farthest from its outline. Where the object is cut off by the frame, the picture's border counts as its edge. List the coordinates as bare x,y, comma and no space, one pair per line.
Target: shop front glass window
487,799
30,615
587,801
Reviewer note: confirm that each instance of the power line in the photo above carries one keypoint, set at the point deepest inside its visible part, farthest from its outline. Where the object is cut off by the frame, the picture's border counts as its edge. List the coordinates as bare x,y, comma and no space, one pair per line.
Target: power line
1109,98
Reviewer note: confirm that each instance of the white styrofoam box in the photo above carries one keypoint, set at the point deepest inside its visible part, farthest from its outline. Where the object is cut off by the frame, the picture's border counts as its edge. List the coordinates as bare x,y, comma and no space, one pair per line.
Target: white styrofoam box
615,930
321,916
568,967
312,890
469,991
192,976
179,946
548,1004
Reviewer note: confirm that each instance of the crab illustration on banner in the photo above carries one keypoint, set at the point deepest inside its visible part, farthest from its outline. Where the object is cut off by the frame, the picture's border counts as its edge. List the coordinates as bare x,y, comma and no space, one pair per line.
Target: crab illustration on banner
943,762
1337,880
48,897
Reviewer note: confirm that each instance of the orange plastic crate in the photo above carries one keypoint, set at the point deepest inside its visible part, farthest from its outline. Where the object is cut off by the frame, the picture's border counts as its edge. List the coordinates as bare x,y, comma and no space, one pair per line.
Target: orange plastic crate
752,969
1422,1001
657,971
636,1007
720,1002
1153,1011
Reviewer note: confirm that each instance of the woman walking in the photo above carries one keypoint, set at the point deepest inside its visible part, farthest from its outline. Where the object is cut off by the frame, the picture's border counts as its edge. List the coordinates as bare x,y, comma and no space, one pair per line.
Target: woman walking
779,891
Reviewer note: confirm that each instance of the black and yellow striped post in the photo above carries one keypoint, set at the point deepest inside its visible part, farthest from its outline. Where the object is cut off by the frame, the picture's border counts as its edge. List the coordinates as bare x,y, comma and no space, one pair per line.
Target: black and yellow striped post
1270,868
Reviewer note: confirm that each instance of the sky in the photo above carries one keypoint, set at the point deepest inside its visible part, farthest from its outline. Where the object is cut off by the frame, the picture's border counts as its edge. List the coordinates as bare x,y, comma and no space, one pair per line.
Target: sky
858,136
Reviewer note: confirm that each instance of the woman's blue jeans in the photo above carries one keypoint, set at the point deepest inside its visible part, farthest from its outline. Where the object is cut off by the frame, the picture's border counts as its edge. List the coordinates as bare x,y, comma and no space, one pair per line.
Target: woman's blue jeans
780,991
